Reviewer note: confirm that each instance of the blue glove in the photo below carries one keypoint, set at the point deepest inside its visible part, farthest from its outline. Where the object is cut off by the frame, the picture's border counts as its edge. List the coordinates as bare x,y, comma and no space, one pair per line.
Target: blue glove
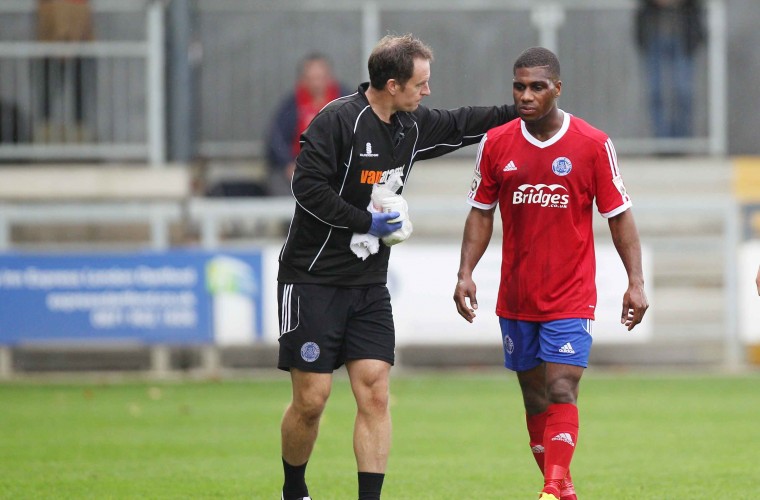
381,227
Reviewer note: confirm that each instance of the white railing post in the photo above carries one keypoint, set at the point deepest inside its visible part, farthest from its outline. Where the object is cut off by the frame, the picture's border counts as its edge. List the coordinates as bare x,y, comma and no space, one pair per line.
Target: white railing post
717,72
370,28
156,121
159,229
6,363
734,357
547,18
5,230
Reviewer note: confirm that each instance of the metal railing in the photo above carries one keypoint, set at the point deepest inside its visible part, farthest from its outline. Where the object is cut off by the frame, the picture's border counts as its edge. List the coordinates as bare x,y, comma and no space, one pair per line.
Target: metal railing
98,100
158,215
244,68
211,216
244,54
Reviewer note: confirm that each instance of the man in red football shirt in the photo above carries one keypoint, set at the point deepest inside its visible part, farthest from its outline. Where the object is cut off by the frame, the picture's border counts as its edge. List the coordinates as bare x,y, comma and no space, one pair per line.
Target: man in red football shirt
546,171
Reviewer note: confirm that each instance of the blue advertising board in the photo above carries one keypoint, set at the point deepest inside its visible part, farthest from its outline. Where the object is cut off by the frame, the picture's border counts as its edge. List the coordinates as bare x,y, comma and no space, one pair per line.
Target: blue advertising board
163,297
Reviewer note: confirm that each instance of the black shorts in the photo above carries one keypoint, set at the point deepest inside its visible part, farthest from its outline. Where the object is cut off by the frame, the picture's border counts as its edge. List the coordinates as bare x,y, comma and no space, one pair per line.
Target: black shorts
322,327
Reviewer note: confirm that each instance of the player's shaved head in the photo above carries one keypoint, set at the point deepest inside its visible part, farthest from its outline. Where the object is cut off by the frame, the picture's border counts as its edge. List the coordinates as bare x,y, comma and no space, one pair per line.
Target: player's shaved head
536,57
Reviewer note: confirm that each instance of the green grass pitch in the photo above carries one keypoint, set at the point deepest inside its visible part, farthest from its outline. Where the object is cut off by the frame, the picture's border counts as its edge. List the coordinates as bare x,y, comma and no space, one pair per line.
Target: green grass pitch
456,436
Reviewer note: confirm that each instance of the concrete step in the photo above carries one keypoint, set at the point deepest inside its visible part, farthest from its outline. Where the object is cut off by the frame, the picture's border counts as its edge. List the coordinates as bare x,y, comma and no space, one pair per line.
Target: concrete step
687,314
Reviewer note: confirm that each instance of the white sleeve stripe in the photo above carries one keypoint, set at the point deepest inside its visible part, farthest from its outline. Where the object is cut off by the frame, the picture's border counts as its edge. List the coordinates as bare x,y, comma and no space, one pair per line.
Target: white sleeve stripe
414,151
619,210
474,191
351,154
437,145
320,220
614,153
481,206
480,152
329,233
612,157
447,145
615,170
343,184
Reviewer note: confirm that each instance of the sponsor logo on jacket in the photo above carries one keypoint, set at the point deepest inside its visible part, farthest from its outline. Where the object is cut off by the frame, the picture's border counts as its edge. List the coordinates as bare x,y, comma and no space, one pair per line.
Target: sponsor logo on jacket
378,176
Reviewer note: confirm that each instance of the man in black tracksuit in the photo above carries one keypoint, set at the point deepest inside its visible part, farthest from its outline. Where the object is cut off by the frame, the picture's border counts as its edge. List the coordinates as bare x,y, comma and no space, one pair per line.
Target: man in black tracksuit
334,306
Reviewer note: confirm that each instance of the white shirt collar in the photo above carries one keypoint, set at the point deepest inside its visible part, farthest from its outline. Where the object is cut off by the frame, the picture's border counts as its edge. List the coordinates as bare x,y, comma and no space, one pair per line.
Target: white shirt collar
556,137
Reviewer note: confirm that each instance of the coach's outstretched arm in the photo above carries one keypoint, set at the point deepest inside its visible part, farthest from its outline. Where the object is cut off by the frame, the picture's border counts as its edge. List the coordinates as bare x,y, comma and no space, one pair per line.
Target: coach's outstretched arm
477,234
625,236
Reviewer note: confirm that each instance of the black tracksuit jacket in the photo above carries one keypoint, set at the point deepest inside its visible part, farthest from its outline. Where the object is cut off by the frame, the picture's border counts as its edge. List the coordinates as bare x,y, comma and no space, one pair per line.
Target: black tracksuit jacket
344,151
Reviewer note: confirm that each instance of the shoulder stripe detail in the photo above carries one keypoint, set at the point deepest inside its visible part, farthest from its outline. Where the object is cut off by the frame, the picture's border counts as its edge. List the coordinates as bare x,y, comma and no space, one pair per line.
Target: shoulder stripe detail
615,171
457,145
343,184
411,158
338,99
612,156
480,152
351,153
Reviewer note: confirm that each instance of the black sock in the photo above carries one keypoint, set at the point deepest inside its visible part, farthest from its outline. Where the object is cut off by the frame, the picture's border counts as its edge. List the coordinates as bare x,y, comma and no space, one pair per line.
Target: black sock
295,483
370,484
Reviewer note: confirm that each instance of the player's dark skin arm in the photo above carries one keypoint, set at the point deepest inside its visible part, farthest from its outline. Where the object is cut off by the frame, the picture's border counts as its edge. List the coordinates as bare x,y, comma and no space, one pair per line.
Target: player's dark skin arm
625,236
477,234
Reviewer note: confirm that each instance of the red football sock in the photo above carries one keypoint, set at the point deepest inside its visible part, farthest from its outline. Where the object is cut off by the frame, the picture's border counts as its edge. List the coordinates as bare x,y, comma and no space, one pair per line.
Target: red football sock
567,489
560,438
536,427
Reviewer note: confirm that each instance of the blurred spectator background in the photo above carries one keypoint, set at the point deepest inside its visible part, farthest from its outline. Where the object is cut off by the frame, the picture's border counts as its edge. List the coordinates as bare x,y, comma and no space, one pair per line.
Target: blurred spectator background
125,126
668,34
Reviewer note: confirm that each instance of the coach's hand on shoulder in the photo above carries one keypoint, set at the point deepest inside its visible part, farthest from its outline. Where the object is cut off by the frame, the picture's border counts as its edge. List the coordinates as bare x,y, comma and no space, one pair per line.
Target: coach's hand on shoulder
381,227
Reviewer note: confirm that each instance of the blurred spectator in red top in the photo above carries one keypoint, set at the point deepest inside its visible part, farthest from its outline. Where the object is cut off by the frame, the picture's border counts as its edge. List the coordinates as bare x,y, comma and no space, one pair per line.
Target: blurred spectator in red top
316,86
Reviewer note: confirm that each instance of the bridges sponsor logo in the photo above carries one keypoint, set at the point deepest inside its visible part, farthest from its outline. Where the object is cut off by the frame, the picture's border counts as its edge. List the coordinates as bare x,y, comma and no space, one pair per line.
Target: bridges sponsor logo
541,194
379,176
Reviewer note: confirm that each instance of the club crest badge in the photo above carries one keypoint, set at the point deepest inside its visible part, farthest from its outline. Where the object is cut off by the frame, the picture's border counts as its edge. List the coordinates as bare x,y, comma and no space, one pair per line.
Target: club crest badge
310,352
562,166
509,346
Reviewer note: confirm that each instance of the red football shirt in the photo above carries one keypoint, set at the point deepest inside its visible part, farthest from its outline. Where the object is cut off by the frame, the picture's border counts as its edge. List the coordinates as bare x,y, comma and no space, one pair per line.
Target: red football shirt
545,192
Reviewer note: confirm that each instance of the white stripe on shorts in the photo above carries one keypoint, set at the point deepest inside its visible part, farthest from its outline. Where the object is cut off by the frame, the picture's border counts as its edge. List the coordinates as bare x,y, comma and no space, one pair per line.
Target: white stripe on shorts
286,314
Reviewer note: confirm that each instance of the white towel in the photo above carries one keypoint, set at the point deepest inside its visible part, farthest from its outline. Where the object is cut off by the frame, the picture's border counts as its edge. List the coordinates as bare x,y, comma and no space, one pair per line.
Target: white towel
364,245
385,199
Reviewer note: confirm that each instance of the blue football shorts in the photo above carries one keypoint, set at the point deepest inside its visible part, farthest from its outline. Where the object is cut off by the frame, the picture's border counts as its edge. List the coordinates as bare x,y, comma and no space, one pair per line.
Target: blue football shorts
528,343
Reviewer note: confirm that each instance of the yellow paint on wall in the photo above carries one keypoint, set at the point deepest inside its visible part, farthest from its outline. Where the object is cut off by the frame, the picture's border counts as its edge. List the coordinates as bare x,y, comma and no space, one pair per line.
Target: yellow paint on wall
747,178
753,354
